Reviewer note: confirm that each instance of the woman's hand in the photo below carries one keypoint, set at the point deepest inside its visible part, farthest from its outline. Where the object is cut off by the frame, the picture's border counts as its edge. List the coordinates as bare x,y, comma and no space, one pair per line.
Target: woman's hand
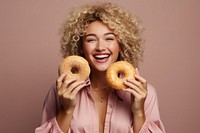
138,89
67,91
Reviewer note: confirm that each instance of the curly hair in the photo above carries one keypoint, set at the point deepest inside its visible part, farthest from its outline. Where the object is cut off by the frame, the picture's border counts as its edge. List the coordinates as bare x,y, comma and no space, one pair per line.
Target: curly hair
127,28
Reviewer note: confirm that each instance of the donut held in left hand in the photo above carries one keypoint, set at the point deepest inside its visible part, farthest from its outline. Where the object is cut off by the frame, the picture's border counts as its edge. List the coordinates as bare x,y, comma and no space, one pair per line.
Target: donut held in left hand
118,72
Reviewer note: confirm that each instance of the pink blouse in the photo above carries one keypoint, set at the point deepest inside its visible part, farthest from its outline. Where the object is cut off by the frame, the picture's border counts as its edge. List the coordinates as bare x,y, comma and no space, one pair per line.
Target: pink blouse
118,119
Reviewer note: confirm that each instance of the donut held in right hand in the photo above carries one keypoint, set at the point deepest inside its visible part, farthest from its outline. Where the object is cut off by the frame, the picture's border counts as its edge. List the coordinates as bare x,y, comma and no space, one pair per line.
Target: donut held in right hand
75,67
118,72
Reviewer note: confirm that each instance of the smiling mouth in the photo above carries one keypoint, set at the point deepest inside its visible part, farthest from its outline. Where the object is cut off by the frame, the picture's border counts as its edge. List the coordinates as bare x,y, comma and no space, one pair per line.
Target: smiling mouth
101,57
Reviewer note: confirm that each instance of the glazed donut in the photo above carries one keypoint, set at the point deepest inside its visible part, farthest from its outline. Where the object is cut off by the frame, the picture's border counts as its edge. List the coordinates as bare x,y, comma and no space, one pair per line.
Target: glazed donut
118,72
75,67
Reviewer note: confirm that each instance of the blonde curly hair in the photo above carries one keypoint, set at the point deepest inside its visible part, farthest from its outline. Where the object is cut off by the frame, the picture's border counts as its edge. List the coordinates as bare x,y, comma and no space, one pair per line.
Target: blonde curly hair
126,27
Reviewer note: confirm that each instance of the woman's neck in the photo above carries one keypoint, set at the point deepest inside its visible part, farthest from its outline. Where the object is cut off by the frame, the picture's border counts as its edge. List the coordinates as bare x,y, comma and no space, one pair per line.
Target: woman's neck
100,89
98,80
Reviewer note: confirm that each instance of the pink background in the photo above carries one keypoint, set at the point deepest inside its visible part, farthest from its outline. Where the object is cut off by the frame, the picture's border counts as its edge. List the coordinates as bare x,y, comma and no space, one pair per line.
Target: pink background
30,55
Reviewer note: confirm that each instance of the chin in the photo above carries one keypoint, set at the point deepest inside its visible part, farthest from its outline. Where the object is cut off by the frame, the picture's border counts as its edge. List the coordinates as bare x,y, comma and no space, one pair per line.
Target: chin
101,69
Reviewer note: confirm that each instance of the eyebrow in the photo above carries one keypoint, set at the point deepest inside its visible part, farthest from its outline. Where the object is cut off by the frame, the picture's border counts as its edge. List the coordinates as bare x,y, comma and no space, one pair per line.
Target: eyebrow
109,33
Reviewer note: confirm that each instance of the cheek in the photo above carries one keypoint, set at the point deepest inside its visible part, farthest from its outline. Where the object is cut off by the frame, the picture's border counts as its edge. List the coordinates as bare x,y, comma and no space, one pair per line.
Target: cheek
87,49
115,48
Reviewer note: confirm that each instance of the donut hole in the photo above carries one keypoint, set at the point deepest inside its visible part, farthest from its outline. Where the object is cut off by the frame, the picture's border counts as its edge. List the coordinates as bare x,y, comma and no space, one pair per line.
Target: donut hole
74,70
120,75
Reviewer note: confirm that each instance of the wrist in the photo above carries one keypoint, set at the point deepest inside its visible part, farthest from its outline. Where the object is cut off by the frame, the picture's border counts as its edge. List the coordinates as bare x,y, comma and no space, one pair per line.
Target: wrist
68,111
63,119
138,120
139,113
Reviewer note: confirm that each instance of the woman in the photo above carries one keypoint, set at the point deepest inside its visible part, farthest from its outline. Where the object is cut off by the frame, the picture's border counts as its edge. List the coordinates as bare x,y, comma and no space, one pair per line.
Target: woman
102,34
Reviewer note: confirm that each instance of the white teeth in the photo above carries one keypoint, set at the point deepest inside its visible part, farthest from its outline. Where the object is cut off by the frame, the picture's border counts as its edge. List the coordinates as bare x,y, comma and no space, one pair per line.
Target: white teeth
101,56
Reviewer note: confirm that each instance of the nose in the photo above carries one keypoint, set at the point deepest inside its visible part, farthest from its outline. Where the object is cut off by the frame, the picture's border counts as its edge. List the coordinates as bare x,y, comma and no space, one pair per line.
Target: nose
100,45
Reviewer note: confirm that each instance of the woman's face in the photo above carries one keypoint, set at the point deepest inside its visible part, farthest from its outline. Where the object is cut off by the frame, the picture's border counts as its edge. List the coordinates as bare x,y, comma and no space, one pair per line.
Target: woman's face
100,46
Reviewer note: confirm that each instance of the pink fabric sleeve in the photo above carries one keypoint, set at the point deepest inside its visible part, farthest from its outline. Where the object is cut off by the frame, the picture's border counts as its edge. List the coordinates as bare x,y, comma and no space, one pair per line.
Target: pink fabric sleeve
51,105
153,123
50,126
50,109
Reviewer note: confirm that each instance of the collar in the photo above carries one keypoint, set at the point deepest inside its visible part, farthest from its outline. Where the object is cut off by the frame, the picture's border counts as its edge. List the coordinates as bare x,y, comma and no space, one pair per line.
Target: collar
122,95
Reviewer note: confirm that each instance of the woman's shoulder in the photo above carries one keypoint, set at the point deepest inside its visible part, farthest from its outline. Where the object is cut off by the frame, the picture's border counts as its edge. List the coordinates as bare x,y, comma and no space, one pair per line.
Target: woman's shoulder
151,94
52,91
151,89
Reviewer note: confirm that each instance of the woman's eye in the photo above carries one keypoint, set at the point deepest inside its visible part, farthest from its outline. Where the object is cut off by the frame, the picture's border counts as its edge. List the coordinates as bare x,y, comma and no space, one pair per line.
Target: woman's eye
109,39
90,40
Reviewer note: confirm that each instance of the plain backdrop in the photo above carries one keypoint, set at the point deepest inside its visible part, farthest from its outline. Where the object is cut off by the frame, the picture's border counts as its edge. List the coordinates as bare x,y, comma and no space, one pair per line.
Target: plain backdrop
29,57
